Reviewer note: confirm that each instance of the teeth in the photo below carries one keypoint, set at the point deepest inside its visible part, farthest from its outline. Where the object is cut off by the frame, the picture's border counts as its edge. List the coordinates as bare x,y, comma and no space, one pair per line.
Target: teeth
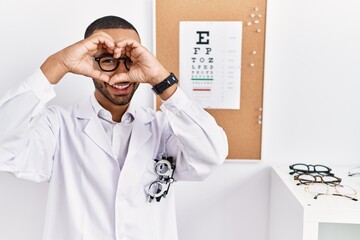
121,86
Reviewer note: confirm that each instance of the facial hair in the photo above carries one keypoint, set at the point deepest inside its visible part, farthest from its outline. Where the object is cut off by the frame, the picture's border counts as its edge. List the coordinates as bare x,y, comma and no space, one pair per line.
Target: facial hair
119,100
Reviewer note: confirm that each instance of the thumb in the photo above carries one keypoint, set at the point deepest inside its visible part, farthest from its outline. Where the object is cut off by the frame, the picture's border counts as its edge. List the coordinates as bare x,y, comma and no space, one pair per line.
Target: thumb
98,75
120,77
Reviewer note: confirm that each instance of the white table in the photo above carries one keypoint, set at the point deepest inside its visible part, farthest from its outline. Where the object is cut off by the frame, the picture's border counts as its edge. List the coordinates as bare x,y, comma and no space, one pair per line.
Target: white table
296,215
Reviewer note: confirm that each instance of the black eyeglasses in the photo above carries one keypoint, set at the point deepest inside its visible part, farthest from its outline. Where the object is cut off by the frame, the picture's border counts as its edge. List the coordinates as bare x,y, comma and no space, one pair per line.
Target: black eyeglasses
307,168
110,64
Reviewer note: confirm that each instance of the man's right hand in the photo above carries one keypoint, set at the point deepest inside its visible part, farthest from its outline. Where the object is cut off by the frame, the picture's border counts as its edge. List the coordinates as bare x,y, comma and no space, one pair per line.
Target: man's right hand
78,59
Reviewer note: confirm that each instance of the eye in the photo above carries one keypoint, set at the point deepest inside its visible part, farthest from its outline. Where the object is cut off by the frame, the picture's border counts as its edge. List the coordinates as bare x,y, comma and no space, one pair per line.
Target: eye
108,60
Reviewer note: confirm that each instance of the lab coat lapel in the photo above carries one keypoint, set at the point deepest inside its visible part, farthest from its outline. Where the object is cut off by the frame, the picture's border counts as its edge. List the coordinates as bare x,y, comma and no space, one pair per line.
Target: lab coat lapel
96,132
140,135
93,127
138,155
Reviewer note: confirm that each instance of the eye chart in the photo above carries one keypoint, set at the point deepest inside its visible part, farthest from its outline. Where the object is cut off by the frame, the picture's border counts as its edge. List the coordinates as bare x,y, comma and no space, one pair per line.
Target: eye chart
210,62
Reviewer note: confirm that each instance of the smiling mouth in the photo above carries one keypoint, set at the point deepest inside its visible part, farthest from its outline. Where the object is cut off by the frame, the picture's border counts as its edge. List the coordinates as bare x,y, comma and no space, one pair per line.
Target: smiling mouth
121,87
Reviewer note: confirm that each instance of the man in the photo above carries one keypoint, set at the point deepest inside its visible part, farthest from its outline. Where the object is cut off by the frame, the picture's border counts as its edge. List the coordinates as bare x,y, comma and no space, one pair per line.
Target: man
109,165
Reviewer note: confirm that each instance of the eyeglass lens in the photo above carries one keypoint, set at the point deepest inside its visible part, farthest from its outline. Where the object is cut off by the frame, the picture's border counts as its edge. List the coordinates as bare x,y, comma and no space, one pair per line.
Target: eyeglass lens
163,168
156,189
109,63
305,168
308,179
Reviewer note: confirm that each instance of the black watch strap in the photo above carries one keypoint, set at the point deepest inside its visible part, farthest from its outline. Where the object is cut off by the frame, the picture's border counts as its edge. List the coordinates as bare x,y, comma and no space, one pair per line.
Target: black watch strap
168,82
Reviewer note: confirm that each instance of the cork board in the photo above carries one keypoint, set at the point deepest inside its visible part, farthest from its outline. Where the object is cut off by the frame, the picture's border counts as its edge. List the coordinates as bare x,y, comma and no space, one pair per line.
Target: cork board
244,126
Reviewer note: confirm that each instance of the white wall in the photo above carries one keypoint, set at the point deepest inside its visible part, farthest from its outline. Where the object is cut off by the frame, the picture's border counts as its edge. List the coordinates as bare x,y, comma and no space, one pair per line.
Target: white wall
311,104
312,85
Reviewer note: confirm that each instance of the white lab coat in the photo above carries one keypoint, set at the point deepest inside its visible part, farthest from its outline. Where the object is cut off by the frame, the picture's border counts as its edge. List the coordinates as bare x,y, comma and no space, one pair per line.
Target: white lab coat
89,197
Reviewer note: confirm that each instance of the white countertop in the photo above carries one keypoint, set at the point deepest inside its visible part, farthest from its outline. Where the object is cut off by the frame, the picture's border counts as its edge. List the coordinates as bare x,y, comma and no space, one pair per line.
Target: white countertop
325,208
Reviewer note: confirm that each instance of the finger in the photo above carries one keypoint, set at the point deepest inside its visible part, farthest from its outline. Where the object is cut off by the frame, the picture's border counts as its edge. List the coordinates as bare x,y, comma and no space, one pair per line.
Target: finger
109,50
117,52
121,51
129,47
120,77
105,42
101,39
98,75
129,42
108,43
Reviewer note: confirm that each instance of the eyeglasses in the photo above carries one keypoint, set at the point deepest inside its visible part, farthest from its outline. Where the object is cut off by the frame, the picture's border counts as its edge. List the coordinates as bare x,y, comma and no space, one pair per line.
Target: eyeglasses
325,190
354,172
310,179
319,180
308,168
165,169
109,63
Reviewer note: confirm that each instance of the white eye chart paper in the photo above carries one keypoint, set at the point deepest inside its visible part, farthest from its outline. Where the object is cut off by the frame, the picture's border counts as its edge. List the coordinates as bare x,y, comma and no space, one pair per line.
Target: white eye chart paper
210,62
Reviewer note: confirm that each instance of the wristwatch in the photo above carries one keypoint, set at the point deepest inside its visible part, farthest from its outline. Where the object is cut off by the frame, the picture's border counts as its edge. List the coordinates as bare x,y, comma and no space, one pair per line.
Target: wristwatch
168,82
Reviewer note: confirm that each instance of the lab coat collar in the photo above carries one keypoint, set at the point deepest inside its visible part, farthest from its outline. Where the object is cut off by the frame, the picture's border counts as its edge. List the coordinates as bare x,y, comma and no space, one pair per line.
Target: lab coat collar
93,127
128,116
85,110
140,135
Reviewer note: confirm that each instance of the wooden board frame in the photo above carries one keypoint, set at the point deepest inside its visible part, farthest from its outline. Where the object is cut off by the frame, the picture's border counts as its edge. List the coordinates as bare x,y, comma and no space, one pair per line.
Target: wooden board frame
243,127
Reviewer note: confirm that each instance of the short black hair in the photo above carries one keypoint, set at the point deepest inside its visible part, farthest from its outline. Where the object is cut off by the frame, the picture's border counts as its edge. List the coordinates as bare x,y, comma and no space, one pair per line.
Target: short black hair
108,22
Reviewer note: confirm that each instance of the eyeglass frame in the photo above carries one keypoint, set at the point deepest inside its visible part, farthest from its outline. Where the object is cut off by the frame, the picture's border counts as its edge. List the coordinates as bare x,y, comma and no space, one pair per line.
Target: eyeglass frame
118,60
338,194
354,172
305,182
165,178
327,172
335,194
